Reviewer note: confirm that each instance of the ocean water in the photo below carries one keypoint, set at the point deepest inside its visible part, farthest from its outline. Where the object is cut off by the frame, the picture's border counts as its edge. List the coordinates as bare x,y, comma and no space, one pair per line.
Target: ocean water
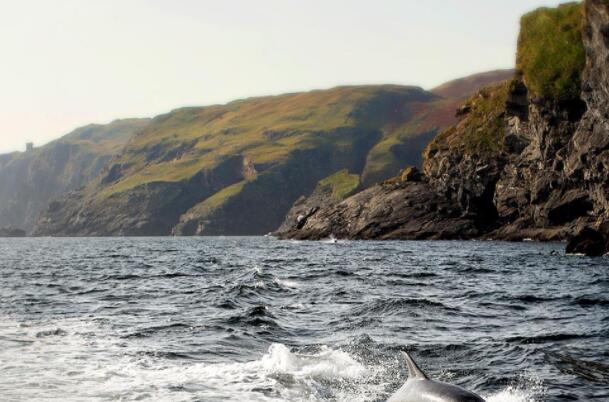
257,319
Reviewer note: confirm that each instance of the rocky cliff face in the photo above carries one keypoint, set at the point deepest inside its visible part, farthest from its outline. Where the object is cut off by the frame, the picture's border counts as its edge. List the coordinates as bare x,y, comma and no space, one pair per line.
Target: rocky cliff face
29,180
587,163
555,186
398,209
527,159
236,169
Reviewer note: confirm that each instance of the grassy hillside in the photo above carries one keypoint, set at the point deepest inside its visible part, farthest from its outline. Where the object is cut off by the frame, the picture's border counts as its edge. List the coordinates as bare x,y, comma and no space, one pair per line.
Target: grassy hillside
341,184
237,168
28,180
463,88
266,131
104,138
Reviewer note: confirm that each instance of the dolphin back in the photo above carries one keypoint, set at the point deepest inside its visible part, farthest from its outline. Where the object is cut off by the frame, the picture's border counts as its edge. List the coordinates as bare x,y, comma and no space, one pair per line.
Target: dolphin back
414,372
419,388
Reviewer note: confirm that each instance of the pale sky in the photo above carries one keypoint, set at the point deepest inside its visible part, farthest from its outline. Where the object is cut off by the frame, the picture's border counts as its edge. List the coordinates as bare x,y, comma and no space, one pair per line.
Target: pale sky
67,63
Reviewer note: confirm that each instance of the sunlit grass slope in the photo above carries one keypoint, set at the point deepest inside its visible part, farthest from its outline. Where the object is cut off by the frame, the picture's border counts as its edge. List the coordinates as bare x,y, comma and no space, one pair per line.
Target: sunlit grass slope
266,130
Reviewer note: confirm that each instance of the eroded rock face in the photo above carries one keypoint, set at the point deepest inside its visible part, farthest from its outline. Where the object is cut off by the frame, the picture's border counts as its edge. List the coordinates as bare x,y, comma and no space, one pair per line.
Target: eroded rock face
236,169
532,190
30,180
149,210
588,242
515,166
558,183
404,210
587,165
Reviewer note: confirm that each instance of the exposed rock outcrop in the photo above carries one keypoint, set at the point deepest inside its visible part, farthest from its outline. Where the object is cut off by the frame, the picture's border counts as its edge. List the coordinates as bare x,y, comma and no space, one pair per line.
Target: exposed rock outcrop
30,180
528,159
236,169
588,242
395,209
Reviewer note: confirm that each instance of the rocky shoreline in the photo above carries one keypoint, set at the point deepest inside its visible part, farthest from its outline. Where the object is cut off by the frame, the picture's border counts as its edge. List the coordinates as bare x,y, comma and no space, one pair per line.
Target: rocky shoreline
523,161
12,232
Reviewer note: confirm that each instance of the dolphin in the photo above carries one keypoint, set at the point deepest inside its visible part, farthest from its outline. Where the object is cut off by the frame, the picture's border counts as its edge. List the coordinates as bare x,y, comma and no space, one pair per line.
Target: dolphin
419,388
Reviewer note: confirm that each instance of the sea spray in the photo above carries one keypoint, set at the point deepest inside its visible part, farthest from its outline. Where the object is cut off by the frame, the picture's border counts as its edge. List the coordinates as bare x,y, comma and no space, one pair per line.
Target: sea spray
176,319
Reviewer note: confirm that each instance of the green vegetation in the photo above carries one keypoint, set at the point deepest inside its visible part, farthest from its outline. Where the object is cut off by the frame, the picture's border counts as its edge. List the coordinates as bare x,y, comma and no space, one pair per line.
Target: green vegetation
463,88
551,53
425,119
341,184
218,199
239,167
107,138
29,180
482,129
267,130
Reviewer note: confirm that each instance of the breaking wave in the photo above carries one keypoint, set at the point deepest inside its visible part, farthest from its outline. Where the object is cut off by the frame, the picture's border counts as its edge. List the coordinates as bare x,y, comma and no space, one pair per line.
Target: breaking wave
254,319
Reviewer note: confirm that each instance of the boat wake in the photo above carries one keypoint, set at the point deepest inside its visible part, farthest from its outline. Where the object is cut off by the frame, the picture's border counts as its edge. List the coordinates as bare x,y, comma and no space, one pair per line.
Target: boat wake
75,360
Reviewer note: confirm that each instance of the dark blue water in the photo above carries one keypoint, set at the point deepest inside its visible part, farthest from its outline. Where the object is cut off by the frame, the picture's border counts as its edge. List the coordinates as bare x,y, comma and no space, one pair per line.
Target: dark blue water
256,319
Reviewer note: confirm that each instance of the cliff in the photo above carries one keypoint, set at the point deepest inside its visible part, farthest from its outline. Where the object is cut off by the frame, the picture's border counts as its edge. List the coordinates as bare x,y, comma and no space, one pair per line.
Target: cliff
29,180
526,159
236,169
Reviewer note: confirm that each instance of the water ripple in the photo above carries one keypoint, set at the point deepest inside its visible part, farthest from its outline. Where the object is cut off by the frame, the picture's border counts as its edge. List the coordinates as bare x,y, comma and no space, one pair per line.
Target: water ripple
215,319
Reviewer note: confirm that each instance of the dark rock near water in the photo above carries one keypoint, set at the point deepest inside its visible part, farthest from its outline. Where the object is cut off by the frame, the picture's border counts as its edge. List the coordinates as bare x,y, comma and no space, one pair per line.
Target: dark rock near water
516,166
51,332
11,232
399,210
588,242
237,169
30,180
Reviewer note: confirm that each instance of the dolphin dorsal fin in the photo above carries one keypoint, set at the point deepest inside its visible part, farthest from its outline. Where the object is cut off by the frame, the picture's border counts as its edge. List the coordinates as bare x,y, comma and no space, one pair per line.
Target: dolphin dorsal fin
414,371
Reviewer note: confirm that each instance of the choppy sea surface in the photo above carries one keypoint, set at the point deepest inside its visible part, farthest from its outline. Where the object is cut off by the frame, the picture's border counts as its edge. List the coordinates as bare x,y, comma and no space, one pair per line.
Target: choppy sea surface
257,319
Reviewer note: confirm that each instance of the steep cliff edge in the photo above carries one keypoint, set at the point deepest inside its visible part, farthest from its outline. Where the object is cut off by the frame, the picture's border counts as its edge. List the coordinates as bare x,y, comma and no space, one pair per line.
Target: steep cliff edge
236,169
586,167
527,159
29,180
450,201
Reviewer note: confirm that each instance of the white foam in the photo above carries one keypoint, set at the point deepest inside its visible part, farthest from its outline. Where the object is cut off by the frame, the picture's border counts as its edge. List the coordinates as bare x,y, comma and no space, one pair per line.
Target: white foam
526,389
330,240
285,375
82,362
73,360
295,306
286,283
326,364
